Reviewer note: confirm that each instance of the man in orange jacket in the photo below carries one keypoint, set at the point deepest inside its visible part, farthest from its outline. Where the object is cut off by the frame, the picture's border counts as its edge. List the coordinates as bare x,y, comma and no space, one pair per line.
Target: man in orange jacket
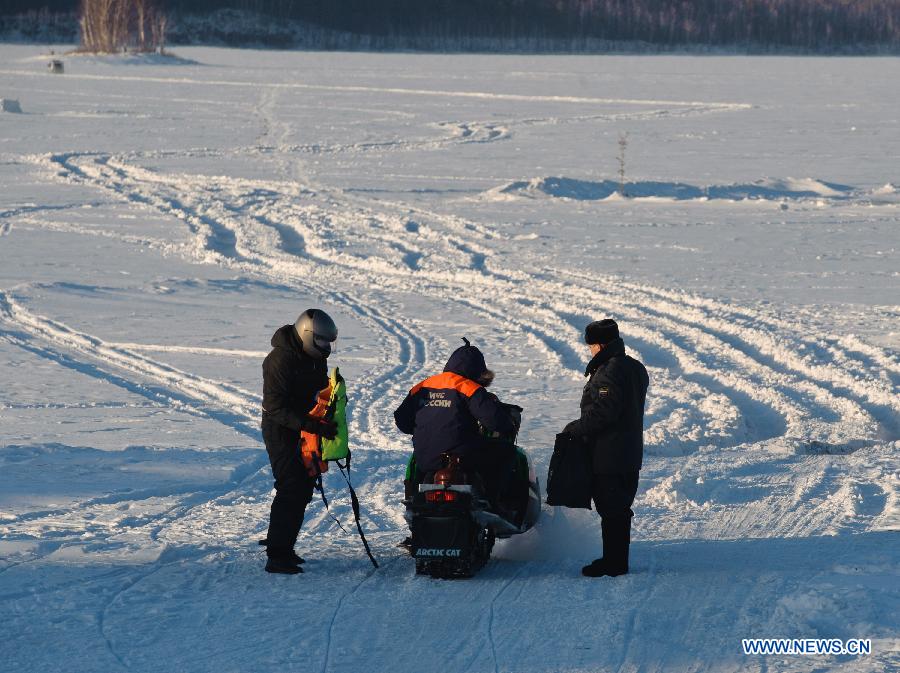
443,414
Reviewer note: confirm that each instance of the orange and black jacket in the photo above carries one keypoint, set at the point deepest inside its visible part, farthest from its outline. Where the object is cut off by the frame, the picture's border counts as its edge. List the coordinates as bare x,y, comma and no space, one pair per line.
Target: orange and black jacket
442,412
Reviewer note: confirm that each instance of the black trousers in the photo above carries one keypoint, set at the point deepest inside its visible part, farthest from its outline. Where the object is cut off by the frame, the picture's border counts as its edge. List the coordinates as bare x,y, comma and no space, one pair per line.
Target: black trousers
613,496
293,488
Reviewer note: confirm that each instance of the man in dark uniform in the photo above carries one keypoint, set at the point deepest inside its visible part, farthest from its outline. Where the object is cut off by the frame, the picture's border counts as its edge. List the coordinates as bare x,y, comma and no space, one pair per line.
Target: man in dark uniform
293,373
443,414
612,424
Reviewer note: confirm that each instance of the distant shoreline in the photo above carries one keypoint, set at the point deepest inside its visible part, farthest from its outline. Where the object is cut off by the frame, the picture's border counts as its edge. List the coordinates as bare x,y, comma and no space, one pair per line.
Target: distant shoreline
248,30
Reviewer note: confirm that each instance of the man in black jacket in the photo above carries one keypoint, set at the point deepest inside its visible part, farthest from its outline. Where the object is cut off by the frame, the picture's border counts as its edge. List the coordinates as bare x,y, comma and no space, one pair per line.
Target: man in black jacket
293,373
612,423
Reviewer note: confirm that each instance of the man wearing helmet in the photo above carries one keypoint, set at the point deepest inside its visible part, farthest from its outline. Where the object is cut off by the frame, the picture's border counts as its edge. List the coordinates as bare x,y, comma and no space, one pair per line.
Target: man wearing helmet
293,373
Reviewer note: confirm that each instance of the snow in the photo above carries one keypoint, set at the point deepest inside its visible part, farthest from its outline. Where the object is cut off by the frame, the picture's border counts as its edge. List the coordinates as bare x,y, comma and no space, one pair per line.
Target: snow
768,189
158,222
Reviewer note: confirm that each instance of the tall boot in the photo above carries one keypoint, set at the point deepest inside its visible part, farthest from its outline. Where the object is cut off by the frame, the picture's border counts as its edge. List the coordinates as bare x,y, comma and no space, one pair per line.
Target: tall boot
299,560
285,518
616,541
616,533
281,524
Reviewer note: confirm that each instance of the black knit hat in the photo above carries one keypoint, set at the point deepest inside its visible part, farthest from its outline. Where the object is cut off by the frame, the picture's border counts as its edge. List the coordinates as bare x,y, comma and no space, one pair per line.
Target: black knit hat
601,332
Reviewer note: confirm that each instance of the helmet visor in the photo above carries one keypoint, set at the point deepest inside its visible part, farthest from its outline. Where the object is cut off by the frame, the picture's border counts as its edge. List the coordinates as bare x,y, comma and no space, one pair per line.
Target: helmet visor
325,345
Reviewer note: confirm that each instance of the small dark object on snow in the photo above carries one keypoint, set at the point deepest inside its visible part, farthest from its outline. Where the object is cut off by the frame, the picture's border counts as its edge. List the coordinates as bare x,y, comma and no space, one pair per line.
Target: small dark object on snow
56,67
10,105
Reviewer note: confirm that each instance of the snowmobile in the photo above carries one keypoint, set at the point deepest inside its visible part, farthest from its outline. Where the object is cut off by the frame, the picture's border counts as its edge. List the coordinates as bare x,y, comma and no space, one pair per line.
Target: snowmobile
454,525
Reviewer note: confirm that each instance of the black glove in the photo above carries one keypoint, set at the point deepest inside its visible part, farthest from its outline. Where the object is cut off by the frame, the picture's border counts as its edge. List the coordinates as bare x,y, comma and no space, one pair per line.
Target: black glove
515,413
318,426
329,429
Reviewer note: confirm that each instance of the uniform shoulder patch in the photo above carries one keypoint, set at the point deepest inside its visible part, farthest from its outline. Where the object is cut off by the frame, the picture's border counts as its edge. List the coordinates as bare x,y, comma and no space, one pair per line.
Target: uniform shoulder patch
603,391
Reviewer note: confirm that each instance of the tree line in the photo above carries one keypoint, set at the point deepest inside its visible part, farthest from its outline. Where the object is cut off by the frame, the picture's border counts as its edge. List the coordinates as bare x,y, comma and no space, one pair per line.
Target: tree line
807,25
109,26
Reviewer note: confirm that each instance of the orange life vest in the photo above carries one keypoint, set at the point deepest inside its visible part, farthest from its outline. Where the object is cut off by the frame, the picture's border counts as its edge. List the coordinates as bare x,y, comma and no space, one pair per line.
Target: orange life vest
311,443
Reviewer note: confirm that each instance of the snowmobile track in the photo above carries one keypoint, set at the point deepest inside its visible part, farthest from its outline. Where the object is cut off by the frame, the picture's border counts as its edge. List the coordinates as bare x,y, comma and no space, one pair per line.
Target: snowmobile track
803,386
770,476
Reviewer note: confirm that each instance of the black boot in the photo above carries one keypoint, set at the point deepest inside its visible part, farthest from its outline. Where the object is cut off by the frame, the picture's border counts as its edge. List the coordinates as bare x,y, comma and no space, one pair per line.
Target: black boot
279,567
299,560
619,540
280,561
616,540
285,520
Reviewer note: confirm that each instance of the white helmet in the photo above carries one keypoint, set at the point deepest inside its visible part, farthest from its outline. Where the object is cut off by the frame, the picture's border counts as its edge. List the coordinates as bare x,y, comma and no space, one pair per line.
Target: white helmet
316,331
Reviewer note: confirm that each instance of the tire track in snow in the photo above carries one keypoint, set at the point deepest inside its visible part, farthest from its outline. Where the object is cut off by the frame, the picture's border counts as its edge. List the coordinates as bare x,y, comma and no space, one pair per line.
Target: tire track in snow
437,93
816,383
736,327
349,594
207,396
491,616
411,349
102,613
773,360
496,293
251,246
455,133
178,390
442,281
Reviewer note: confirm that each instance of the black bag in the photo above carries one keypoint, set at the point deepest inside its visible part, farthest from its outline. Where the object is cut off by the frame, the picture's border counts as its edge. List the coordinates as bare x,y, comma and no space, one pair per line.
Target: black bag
570,473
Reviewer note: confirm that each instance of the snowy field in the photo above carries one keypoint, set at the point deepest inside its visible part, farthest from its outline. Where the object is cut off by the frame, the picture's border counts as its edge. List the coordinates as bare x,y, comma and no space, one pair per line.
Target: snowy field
159,220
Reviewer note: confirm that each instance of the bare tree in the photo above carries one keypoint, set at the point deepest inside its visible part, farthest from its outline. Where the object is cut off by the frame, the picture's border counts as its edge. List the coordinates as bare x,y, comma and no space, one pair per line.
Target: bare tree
109,26
158,26
140,18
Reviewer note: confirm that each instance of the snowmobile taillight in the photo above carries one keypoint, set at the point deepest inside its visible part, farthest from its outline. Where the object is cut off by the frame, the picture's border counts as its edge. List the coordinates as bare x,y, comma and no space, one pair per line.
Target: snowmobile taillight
451,473
440,496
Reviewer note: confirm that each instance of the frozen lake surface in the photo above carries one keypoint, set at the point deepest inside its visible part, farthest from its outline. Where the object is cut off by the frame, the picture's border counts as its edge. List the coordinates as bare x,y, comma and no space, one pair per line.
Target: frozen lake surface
159,219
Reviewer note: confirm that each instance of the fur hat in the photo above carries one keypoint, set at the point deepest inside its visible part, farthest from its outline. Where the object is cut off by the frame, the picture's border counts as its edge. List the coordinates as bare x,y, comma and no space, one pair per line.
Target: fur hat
601,332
